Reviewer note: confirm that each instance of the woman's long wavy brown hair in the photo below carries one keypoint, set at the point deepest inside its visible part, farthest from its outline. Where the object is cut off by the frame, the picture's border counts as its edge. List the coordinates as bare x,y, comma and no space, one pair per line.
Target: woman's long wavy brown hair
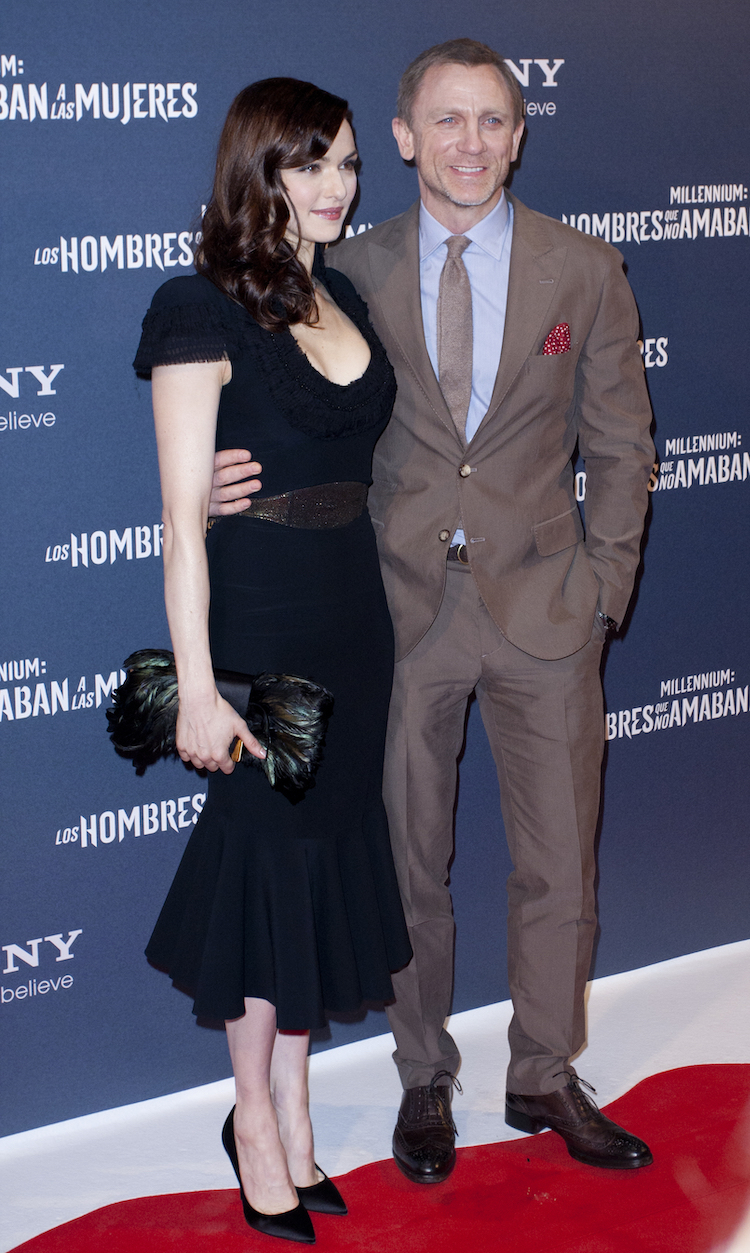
273,125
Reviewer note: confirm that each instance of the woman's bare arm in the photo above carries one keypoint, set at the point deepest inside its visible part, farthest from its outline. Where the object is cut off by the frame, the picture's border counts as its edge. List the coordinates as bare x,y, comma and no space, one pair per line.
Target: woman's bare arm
186,403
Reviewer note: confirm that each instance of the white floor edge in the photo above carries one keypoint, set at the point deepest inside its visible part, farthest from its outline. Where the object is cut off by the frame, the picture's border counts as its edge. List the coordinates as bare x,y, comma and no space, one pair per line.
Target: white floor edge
688,1011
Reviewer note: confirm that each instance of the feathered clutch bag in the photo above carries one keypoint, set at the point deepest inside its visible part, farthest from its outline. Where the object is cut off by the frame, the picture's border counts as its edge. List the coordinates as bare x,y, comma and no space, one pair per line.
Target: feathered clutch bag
286,714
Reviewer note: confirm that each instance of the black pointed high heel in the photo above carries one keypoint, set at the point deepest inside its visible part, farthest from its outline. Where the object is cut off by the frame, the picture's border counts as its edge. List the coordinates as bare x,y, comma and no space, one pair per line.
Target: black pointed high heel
323,1197
293,1224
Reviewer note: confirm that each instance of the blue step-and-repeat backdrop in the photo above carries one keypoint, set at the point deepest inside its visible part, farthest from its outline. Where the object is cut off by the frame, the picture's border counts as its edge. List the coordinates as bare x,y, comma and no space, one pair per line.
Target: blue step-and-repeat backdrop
109,117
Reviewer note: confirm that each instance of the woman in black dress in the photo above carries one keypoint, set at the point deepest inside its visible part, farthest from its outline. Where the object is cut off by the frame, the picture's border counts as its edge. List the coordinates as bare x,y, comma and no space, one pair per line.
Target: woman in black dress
279,910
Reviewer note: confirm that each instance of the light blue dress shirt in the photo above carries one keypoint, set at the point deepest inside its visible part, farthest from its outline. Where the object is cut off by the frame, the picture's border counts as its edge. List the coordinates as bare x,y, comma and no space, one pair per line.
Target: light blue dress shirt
487,261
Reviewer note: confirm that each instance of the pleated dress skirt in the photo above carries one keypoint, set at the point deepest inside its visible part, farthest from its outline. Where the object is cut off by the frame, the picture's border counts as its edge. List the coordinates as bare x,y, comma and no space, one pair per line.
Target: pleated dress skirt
294,902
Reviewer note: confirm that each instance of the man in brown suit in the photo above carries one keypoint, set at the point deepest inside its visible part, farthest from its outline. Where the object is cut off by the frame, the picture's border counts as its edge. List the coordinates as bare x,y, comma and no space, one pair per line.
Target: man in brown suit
492,584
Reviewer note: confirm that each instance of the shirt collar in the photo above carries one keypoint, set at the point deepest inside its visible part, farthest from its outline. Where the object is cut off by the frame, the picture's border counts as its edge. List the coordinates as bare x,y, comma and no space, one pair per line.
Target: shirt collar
488,234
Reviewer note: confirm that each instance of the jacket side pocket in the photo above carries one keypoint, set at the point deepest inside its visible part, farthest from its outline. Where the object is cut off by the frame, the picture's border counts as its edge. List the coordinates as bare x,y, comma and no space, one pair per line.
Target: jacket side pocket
558,533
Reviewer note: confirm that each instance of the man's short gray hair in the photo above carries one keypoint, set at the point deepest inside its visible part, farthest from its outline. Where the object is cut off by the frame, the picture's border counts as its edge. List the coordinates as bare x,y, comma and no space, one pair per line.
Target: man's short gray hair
455,52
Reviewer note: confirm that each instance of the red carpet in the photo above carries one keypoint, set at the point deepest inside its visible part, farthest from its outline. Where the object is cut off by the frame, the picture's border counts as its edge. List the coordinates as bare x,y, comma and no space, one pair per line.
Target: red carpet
526,1196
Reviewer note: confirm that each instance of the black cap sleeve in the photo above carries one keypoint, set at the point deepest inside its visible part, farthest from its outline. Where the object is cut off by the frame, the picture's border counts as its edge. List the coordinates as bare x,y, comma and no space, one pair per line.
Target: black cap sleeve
189,321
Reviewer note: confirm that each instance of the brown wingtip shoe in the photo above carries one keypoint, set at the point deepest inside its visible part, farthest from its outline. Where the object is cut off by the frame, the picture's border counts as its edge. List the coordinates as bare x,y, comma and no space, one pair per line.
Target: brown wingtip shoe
590,1136
424,1138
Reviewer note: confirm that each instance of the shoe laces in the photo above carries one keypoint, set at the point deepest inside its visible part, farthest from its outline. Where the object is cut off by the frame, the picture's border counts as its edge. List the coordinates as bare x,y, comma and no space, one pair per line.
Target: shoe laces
577,1084
442,1103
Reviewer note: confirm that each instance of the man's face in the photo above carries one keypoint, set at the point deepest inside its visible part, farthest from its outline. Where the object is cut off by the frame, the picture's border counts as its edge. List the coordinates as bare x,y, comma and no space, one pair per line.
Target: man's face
462,138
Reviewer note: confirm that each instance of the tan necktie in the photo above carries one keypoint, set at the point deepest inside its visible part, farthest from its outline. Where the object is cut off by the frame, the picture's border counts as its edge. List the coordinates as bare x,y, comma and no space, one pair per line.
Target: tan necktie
455,340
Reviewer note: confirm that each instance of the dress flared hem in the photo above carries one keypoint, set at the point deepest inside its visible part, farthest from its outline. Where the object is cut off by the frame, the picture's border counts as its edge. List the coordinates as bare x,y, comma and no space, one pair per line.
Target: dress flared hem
311,926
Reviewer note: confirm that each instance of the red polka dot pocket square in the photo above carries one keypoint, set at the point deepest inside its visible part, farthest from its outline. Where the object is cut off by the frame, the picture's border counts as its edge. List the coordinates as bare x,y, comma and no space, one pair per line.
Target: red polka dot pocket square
557,341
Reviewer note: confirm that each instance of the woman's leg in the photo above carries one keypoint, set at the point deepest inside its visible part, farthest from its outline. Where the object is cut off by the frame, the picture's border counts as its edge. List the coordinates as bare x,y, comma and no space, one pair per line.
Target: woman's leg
290,1097
263,1161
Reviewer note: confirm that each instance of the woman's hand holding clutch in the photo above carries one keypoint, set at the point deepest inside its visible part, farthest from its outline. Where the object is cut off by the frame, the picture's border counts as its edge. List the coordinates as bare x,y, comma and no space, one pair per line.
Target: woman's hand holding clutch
283,714
207,726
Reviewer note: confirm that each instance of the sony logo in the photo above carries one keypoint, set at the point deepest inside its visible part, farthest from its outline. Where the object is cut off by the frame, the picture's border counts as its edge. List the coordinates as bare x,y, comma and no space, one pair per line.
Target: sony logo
13,388
549,71
15,951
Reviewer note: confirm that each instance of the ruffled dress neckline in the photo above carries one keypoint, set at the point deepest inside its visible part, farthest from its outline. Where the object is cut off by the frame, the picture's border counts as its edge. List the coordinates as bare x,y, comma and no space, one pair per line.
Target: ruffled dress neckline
331,409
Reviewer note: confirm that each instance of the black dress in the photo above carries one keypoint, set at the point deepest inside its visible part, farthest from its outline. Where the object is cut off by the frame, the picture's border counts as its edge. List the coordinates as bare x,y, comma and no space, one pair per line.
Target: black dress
296,903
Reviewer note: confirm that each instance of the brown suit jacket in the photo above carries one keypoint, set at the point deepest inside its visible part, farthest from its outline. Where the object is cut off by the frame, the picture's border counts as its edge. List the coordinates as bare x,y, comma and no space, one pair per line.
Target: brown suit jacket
540,578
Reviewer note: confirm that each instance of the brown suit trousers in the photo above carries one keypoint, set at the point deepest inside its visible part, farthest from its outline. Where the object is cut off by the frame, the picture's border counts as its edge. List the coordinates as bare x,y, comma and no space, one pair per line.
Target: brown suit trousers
545,726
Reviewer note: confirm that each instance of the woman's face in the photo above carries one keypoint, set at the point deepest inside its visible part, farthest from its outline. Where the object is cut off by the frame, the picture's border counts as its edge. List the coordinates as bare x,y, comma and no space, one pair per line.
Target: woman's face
320,193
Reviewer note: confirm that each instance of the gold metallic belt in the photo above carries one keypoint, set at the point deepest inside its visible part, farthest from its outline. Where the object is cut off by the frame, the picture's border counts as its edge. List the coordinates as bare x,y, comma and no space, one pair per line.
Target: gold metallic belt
319,508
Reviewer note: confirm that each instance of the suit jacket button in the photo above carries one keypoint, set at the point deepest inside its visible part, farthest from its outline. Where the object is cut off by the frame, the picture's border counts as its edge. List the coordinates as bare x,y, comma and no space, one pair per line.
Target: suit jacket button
464,471
444,536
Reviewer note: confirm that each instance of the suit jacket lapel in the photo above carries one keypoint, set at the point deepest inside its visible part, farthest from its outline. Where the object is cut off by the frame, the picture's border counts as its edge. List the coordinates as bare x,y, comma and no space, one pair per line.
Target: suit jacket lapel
535,269
394,269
